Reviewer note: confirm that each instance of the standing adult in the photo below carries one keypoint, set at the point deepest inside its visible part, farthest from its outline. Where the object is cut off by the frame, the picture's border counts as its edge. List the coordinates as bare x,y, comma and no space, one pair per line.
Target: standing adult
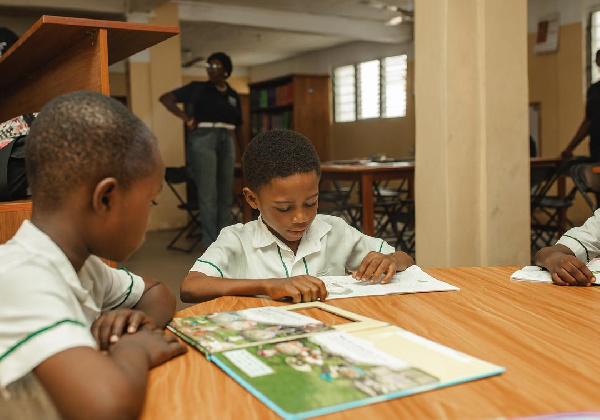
210,151
591,122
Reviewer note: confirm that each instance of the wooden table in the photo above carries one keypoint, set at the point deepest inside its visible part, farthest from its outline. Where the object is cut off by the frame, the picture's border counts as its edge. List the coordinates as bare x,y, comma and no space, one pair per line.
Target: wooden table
547,337
368,172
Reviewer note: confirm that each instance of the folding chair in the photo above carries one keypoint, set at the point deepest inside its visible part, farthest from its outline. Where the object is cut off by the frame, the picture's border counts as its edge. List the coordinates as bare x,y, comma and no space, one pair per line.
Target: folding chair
179,175
546,207
587,182
336,202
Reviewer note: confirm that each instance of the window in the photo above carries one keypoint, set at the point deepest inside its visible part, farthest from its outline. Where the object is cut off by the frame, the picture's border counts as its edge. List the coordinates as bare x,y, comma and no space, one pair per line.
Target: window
371,89
594,75
345,93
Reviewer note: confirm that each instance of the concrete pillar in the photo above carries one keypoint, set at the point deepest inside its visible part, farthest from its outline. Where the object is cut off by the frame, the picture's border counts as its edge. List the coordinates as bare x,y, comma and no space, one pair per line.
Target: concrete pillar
472,153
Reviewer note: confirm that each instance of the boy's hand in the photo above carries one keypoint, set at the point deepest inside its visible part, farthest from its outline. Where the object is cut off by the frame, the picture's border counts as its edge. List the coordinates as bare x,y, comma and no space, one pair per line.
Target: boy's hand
110,326
375,264
303,288
159,346
568,270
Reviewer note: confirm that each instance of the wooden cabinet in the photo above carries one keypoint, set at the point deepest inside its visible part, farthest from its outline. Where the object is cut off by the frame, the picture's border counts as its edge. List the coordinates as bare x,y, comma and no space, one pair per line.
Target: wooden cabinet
298,102
59,55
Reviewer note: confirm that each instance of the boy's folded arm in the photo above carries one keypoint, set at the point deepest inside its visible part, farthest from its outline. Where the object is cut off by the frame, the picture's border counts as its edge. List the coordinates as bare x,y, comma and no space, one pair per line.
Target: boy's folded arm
198,287
116,391
158,302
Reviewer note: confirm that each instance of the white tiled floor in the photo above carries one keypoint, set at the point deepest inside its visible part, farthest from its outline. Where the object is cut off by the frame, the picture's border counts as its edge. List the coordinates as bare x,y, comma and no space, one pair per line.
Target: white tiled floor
153,260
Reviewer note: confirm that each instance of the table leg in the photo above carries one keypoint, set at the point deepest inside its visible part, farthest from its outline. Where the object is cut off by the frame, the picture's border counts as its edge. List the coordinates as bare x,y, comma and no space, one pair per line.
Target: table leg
366,181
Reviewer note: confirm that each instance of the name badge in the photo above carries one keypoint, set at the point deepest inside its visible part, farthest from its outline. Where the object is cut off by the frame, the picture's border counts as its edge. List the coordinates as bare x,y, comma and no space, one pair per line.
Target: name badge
232,101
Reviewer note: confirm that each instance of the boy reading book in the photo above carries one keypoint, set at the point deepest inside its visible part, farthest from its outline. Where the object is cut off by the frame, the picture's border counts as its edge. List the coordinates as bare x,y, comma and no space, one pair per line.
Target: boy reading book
283,253
567,260
94,170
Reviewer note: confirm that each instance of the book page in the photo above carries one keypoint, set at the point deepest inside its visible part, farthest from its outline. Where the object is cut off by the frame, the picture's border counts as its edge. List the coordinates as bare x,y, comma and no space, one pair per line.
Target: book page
411,280
226,330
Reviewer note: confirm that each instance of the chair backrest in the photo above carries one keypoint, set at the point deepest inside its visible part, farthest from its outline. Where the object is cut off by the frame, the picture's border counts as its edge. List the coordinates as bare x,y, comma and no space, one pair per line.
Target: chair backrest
542,177
586,181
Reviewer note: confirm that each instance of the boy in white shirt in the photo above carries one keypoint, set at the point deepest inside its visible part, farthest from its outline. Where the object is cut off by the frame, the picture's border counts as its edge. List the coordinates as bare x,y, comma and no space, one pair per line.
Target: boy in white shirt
283,252
566,261
94,170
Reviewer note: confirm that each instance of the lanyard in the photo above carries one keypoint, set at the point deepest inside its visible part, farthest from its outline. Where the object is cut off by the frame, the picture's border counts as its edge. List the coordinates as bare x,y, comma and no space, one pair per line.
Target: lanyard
287,274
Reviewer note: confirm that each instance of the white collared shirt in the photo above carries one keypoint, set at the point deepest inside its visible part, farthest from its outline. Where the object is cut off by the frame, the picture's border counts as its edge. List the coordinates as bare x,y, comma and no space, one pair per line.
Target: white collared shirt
584,240
250,251
46,307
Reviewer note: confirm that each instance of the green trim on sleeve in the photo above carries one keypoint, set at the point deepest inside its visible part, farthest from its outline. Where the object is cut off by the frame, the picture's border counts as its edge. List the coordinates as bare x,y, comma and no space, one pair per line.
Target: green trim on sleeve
33,334
287,274
587,254
381,246
128,290
212,265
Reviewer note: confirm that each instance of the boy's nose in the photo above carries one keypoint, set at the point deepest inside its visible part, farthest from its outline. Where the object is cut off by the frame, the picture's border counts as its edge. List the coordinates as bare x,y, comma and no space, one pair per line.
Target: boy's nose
300,216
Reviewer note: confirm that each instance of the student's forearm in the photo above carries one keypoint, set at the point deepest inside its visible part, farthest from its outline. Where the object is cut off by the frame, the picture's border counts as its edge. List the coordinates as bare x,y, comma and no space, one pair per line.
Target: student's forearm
117,389
543,256
158,302
403,260
199,287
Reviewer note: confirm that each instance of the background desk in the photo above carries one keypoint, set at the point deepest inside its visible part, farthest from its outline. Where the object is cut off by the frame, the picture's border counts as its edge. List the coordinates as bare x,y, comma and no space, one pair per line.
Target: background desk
366,173
545,336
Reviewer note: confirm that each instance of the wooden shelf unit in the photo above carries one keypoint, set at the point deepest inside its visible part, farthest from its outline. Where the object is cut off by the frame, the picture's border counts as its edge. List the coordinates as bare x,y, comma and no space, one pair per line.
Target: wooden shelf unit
59,55
297,102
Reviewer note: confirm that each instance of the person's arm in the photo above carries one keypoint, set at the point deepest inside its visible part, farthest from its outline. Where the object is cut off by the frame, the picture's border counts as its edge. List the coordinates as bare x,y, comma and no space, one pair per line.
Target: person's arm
170,102
85,384
158,302
565,268
198,287
582,132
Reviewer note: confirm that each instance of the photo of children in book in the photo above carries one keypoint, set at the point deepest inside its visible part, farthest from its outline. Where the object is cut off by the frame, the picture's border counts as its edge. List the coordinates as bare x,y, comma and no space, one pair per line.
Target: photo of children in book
225,330
323,370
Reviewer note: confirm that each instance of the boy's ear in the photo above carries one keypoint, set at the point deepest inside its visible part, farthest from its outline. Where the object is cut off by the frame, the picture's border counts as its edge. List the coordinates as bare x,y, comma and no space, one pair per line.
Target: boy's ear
103,196
251,197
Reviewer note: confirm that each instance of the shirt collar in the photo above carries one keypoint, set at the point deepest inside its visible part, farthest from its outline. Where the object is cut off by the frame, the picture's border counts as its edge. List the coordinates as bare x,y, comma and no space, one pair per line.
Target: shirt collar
39,243
310,242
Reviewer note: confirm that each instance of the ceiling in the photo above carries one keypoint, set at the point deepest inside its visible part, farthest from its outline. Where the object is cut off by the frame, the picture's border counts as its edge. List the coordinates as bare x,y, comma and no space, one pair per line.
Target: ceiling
252,32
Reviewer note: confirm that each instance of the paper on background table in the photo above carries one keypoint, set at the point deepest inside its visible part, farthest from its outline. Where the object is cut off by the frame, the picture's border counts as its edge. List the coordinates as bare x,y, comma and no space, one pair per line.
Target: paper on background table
411,280
535,273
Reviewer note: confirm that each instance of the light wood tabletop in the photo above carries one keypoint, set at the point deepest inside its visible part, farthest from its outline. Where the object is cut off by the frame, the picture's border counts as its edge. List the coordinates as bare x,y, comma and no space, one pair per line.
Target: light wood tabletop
546,336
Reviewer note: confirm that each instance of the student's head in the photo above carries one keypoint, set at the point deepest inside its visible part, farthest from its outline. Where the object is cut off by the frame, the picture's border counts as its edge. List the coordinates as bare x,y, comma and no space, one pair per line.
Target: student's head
282,170
90,158
219,67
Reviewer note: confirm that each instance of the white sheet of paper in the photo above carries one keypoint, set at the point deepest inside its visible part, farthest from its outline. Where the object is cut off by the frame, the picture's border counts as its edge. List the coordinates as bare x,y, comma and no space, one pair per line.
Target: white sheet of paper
411,280
535,273
532,273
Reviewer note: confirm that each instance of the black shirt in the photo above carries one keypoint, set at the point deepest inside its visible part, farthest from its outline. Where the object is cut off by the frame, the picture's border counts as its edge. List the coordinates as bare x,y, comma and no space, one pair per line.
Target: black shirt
209,104
592,113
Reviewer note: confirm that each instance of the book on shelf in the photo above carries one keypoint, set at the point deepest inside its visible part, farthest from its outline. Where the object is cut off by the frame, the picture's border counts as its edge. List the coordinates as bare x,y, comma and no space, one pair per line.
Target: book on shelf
301,367
273,96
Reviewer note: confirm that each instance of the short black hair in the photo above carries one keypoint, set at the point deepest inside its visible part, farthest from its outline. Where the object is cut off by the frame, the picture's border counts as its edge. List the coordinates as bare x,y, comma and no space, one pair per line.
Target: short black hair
224,59
278,153
83,137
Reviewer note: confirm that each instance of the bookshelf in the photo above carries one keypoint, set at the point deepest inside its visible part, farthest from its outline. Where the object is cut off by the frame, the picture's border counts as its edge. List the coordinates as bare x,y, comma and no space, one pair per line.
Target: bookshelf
59,55
297,102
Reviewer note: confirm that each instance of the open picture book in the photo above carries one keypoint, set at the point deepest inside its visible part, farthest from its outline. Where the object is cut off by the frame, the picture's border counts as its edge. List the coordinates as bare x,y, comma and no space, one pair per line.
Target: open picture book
300,367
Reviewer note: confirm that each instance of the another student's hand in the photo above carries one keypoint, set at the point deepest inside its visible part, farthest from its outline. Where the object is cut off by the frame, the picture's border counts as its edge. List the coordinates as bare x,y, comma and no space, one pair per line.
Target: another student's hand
303,288
159,346
568,270
375,264
110,326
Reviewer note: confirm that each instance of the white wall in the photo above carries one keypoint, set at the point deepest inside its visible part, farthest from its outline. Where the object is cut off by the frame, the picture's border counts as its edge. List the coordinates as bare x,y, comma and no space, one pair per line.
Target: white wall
569,10
321,62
